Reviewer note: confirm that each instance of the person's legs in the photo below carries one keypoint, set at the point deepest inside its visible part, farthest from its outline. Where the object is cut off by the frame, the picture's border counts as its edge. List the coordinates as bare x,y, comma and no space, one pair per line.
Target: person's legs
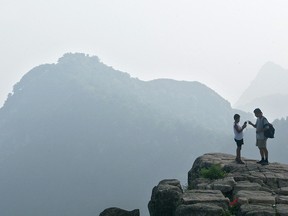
262,152
262,156
261,145
238,156
265,152
238,152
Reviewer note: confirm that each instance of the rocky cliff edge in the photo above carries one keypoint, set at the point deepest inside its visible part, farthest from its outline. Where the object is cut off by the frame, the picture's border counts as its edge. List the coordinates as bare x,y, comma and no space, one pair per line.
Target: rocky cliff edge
244,189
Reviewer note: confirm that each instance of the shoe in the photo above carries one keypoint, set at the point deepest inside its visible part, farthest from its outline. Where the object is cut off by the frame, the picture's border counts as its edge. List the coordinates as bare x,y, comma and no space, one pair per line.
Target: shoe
261,161
265,162
240,162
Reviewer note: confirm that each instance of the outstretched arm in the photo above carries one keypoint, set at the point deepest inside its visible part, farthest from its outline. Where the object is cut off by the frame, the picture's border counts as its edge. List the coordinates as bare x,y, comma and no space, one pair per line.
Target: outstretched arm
254,125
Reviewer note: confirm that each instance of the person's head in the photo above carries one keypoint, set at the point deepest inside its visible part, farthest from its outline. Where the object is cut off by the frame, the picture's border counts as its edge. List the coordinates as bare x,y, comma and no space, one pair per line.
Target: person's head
237,117
257,112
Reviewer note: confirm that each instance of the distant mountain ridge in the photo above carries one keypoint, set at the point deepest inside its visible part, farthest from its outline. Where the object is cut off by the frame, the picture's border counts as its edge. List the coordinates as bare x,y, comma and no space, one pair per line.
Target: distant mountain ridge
269,91
78,136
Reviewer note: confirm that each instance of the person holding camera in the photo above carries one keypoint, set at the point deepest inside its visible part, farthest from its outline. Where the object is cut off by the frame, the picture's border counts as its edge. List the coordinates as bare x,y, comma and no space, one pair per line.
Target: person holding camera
261,141
238,137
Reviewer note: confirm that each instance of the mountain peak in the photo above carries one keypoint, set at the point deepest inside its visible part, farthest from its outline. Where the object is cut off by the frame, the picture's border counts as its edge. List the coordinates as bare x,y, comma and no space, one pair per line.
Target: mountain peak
271,69
77,57
271,80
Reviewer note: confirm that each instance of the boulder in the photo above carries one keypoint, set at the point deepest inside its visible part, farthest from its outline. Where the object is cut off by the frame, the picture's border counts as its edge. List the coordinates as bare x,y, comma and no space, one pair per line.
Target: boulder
199,209
166,197
263,210
214,197
282,199
225,185
246,185
252,197
119,212
257,210
282,210
283,191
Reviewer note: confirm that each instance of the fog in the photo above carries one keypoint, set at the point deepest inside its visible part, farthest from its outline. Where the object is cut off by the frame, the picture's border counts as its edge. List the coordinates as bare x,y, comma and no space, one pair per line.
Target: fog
222,44
69,139
79,136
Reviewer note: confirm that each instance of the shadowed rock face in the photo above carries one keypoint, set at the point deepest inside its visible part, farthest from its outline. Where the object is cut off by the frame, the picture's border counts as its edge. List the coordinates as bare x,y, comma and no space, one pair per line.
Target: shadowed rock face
119,212
165,198
256,189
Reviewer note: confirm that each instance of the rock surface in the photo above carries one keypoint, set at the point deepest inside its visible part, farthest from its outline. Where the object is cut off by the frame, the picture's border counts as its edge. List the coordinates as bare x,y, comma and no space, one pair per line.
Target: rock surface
119,212
166,197
247,189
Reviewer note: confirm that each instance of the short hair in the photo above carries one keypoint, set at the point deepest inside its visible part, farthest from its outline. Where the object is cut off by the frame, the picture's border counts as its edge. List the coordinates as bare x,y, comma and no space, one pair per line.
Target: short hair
236,116
257,110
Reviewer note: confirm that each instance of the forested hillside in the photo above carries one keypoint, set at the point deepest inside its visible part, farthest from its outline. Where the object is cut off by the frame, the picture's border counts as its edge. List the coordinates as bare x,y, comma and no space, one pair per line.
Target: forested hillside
79,136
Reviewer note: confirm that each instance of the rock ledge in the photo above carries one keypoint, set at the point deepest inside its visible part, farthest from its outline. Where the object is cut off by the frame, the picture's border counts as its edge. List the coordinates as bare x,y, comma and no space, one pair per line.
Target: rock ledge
255,189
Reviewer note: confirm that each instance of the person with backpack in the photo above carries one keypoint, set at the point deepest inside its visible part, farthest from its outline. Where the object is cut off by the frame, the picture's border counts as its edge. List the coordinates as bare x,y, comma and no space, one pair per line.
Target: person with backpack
261,126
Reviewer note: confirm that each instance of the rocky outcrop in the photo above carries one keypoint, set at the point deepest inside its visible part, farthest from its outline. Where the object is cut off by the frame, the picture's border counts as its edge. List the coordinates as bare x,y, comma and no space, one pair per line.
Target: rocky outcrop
246,189
119,212
166,197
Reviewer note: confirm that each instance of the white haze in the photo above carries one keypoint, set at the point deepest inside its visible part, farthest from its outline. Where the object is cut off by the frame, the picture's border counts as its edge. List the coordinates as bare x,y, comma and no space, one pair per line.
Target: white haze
222,44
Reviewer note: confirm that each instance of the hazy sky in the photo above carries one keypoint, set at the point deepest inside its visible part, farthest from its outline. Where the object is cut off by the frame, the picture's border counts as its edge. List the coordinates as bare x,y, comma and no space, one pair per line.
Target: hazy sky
221,43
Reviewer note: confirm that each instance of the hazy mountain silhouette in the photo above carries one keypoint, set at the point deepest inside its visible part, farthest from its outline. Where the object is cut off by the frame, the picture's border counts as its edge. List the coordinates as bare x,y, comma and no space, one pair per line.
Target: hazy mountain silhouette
78,137
269,91
280,141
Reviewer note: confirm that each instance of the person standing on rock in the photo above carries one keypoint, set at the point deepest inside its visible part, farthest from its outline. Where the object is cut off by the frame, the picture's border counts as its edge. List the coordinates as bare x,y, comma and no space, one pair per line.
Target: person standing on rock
238,137
261,141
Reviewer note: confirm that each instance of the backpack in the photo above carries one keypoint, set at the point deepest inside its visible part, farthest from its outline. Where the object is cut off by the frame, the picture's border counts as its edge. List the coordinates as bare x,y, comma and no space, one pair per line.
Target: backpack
270,132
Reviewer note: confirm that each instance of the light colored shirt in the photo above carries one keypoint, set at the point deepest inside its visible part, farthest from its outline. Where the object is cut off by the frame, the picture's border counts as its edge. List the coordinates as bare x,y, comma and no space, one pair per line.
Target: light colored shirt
238,135
261,121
